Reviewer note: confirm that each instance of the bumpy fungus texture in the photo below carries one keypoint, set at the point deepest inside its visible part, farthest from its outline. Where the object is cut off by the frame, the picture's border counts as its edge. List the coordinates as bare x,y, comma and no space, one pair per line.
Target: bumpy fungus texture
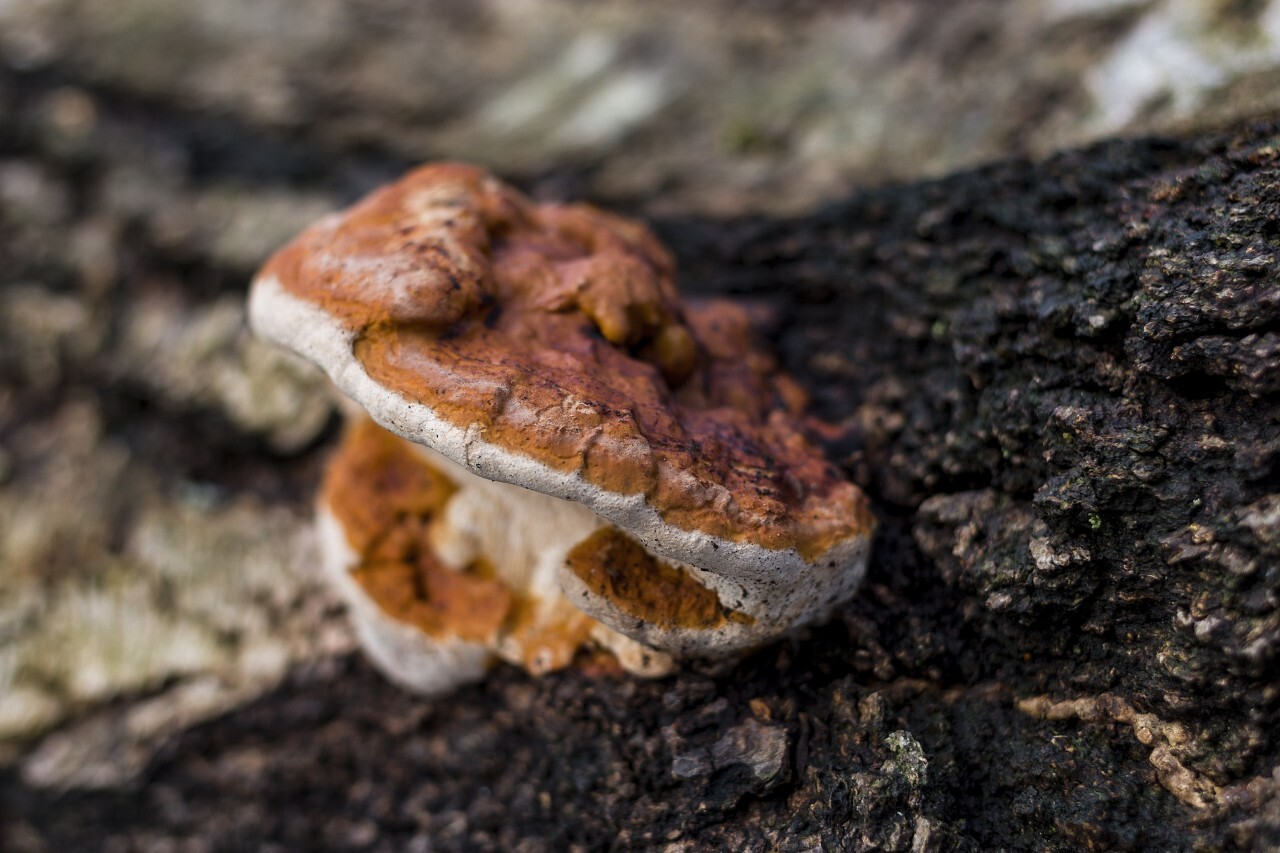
556,331
671,493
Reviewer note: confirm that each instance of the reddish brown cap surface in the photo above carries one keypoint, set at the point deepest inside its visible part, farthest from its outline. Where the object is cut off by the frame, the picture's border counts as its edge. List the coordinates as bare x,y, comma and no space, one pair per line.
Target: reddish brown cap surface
555,334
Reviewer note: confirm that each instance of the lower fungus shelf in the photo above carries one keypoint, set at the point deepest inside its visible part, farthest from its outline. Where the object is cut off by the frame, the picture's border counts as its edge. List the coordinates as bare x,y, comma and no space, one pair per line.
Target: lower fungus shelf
452,563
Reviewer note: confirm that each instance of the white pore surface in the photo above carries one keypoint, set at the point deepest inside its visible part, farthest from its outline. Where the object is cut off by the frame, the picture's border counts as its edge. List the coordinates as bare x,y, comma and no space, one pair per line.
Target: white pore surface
524,534
778,588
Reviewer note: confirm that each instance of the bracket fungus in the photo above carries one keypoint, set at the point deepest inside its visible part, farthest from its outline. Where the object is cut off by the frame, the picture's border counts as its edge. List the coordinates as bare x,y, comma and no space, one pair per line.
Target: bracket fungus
580,459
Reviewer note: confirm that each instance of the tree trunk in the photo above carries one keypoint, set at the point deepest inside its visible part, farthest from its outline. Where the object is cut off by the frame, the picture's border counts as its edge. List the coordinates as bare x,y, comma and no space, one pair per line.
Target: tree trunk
1060,383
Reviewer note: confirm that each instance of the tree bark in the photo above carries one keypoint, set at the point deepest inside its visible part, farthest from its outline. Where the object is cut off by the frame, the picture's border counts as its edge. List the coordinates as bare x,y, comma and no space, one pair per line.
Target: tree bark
1060,383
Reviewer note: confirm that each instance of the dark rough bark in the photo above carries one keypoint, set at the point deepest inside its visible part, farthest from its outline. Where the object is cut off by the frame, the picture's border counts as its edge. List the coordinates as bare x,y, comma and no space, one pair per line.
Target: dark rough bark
1060,380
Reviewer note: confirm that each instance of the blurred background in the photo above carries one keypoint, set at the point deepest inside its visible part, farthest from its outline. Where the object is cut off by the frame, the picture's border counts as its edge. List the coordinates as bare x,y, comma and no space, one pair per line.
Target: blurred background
156,463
